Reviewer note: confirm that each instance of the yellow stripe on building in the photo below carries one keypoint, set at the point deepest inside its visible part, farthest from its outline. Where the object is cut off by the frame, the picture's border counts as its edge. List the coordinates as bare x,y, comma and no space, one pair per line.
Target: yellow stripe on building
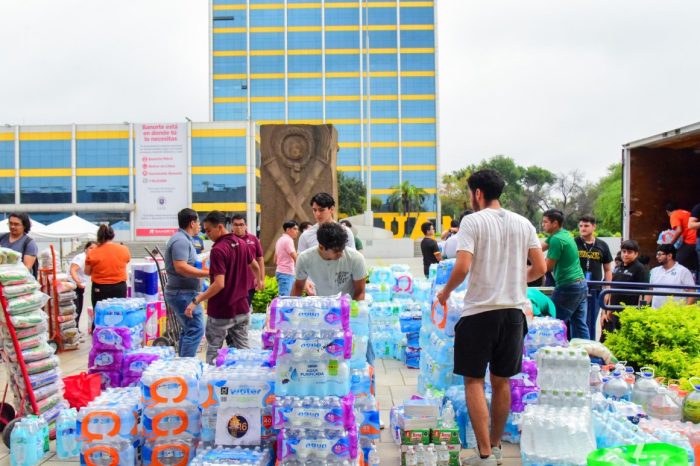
114,171
417,74
267,76
383,144
342,28
268,6
229,53
384,121
304,75
342,98
417,27
379,4
418,144
229,30
418,97
343,74
382,74
223,206
305,122
305,98
342,51
419,167
228,7
49,136
342,4
219,170
417,4
384,97
267,29
270,122
349,168
45,172
7,173
305,52
102,135
267,99
7,136
230,100
390,191
349,145
257,172
299,6
344,121
379,27
418,120
266,53
417,50
231,76
218,132
304,28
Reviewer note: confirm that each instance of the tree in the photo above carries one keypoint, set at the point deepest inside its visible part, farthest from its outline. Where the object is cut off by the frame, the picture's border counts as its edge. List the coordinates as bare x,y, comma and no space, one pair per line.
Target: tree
454,193
608,203
351,195
406,198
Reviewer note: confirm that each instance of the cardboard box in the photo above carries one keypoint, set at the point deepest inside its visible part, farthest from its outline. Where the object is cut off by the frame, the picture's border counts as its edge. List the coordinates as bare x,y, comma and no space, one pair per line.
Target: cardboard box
414,437
449,436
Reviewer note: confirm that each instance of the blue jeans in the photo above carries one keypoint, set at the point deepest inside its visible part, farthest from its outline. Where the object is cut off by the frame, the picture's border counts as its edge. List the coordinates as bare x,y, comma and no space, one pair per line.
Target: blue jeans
571,303
284,283
192,329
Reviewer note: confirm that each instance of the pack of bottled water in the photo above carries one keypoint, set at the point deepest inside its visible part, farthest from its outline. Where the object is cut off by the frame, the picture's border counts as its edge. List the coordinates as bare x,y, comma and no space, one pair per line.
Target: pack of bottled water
172,381
563,368
318,312
545,331
120,312
234,357
308,344
325,445
29,441
556,435
249,456
67,434
314,412
378,292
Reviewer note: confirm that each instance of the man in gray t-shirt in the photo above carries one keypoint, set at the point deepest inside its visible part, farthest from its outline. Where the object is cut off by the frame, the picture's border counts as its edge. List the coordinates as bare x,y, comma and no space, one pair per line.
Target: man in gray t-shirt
18,240
331,266
183,281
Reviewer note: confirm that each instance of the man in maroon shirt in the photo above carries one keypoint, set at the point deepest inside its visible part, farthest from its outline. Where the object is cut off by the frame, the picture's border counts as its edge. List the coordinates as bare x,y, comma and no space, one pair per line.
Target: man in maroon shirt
231,263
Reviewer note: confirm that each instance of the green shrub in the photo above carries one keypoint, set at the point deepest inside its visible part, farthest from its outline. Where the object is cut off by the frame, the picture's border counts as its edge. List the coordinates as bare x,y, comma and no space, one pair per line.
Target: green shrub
667,339
261,299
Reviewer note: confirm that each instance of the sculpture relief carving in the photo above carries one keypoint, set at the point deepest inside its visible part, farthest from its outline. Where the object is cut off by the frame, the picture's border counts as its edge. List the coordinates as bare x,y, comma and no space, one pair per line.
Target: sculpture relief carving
297,161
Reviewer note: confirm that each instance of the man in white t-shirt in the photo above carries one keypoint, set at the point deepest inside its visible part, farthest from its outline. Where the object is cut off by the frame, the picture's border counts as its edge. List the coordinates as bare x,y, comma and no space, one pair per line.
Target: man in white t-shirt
494,246
323,208
669,272
450,248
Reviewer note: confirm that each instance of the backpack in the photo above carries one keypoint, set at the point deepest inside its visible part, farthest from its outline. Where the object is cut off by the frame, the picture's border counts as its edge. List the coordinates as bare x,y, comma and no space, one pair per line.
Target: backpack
27,239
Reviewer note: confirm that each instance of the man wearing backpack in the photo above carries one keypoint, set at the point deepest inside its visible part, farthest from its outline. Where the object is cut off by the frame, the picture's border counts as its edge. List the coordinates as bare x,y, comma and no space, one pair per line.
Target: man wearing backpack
18,240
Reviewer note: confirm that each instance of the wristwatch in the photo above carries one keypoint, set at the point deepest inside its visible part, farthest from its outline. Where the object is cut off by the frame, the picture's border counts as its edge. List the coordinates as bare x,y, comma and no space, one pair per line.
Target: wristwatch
194,300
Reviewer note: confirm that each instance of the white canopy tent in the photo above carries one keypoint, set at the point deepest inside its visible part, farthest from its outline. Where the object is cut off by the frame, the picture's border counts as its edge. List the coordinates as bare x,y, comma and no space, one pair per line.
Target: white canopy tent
69,228
36,226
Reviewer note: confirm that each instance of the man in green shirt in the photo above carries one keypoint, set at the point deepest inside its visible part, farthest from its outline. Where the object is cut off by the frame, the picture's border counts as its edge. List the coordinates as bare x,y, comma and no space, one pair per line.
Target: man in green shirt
571,291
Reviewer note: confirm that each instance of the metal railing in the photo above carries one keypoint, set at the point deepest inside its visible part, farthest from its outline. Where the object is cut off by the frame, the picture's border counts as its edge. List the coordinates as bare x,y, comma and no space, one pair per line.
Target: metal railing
638,289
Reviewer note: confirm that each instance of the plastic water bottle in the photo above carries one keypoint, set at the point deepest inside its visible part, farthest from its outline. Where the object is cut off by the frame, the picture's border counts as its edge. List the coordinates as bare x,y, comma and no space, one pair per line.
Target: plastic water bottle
420,455
411,459
447,420
691,404
443,455
645,388
616,388
664,406
23,445
373,457
595,380
67,434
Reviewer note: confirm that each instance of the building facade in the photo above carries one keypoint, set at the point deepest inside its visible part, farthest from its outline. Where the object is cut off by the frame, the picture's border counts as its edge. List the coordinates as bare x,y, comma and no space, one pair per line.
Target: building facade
367,67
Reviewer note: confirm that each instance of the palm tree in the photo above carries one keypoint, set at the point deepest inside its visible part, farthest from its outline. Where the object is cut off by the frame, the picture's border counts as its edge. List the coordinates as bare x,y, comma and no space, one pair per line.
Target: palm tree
406,198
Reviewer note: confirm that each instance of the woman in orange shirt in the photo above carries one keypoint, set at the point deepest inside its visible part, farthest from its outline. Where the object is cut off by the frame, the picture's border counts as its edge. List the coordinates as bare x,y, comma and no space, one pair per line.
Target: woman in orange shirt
106,265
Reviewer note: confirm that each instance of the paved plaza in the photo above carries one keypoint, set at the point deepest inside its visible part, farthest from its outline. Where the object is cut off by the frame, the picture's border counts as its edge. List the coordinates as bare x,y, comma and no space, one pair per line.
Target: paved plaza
395,383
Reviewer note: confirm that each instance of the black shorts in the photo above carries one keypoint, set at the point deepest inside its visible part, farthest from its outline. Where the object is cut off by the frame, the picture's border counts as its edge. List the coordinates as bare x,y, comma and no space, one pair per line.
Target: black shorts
493,338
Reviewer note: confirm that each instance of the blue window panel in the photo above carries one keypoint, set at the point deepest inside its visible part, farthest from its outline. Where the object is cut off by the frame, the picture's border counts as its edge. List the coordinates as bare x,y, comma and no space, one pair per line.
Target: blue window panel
418,39
383,39
418,109
384,109
218,188
118,220
267,64
418,155
102,153
49,217
418,132
45,154
267,41
384,179
304,40
305,86
223,20
342,16
349,157
347,133
355,175
229,2
229,65
418,15
7,190
385,133
305,110
103,188
418,85
229,41
417,62
385,156
384,16
429,203
304,63
342,110
229,151
343,40
45,190
267,111
384,86
7,154
383,62
342,86
420,178
267,87
304,17
230,111
348,63
267,18
230,88
263,2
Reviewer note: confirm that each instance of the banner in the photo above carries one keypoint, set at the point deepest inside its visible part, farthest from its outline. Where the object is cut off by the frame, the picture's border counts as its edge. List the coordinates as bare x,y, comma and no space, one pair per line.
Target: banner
161,178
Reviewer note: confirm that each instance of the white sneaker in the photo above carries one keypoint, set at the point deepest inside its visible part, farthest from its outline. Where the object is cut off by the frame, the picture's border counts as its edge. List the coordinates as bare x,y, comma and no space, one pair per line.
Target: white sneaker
477,460
496,452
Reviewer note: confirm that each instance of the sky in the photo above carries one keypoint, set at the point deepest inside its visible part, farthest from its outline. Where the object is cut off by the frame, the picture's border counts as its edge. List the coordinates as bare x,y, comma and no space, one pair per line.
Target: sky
559,84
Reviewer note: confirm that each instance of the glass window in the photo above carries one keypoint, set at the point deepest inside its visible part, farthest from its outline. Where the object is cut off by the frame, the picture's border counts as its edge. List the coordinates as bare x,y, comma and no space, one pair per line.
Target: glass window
218,188
229,41
385,155
267,87
342,110
420,178
232,111
304,17
418,132
349,157
230,88
304,63
384,86
417,62
229,2
118,220
102,153
305,110
267,18
45,154
384,179
303,40
342,86
418,39
7,190
381,16
418,109
7,154
228,151
305,86
267,40
342,16
103,188
418,155
267,64
383,62
45,190
418,15
267,111
384,109
382,39
343,40
340,63
384,132
347,133
418,85
229,65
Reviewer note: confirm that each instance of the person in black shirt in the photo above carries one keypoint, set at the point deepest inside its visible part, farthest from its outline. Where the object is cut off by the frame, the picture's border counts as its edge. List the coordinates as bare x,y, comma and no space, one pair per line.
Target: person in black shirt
596,263
429,247
631,271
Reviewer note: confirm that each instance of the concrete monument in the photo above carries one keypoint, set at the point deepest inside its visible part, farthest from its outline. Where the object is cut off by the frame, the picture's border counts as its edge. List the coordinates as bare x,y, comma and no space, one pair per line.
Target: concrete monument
297,161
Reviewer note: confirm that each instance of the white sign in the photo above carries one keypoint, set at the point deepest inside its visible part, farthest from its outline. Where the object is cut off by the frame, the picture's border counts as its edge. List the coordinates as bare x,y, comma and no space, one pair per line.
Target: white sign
161,178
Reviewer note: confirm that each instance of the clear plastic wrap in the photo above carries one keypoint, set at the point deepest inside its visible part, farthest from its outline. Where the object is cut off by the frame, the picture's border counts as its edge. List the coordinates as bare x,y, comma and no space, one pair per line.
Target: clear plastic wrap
26,303
12,291
14,274
9,256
